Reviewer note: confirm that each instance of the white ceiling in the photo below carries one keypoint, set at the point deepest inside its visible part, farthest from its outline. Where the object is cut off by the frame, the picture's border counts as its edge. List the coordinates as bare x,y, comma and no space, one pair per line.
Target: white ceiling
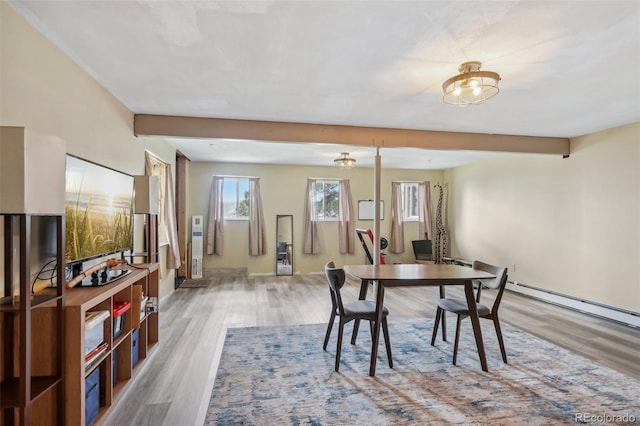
568,67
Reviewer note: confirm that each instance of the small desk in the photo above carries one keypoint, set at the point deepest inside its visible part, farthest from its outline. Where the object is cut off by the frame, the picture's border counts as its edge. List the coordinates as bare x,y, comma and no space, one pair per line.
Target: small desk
405,275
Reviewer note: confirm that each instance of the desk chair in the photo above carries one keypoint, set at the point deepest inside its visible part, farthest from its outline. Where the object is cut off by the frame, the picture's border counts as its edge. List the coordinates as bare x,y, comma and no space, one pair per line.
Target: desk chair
459,307
359,310
422,249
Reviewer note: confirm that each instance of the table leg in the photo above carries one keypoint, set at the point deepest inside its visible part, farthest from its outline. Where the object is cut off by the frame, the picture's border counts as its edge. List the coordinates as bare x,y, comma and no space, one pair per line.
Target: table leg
475,322
364,287
376,327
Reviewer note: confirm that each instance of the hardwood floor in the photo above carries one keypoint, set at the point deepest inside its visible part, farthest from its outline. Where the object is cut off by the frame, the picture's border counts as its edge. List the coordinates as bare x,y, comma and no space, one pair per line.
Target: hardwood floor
173,386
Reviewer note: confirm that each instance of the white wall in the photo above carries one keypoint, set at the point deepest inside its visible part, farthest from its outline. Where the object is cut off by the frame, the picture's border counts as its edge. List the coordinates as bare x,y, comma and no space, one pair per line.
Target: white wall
571,225
283,192
44,89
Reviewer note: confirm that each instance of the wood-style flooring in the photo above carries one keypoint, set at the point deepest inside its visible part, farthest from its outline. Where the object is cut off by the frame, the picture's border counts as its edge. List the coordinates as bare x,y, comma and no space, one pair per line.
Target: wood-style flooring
172,387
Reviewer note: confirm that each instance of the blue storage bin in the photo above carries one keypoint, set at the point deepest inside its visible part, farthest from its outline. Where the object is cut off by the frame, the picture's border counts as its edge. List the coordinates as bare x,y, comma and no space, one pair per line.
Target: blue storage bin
114,367
92,396
134,346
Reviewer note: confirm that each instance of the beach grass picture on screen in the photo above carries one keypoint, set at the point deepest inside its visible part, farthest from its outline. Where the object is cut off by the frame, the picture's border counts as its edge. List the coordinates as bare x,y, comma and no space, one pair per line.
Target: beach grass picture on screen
98,209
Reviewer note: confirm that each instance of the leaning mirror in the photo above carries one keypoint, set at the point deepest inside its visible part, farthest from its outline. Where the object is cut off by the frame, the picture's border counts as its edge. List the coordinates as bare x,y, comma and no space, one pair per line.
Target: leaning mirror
284,244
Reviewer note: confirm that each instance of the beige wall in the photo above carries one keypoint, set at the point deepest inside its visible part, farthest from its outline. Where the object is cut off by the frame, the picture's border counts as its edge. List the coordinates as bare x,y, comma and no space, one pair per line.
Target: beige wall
283,192
44,89
568,225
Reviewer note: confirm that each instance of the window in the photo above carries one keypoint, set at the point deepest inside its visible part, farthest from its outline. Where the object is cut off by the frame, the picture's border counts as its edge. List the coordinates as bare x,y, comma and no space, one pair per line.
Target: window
235,198
327,200
410,200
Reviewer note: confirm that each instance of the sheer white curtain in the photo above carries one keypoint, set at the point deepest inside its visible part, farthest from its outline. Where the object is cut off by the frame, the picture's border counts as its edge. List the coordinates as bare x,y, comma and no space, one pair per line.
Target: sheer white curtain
424,212
215,224
257,239
396,245
346,225
311,243
168,231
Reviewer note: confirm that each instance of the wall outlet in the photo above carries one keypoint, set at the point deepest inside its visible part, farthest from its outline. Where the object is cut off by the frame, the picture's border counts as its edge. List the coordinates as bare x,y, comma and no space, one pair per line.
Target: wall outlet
512,267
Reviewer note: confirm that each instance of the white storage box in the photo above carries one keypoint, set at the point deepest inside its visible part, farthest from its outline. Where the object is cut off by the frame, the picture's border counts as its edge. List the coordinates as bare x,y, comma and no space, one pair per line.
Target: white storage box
94,329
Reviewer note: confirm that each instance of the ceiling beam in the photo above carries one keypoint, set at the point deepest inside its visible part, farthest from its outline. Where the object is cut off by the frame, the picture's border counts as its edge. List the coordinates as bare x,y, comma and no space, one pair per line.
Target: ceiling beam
274,131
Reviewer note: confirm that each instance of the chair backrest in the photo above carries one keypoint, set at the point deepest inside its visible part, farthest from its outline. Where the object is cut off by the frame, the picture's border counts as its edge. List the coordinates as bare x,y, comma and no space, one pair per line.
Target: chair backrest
422,249
335,278
499,282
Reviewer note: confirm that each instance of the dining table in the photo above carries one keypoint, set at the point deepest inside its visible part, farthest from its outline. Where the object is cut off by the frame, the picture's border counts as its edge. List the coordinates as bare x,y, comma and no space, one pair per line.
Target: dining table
418,274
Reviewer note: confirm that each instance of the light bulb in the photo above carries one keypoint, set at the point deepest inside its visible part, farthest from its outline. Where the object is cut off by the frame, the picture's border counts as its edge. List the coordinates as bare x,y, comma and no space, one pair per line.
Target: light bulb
476,91
457,91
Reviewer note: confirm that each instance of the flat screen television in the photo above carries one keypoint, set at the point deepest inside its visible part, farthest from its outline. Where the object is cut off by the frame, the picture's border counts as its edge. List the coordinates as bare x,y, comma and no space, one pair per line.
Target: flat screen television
98,212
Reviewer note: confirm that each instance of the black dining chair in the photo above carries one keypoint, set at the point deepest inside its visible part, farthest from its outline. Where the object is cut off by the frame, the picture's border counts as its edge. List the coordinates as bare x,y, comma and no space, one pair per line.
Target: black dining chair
282,251
358,310
422,250
459,306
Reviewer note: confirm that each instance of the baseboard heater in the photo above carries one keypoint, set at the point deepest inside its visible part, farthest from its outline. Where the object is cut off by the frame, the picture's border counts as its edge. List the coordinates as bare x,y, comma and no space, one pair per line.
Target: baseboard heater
623,316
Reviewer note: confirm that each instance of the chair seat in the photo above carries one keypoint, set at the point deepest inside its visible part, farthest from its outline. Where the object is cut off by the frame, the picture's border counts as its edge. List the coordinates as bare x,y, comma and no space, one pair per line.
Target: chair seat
458,306
364,309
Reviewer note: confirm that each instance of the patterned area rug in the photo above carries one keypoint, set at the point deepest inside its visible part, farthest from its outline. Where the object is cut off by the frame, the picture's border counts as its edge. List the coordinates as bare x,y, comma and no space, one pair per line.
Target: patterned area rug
281,375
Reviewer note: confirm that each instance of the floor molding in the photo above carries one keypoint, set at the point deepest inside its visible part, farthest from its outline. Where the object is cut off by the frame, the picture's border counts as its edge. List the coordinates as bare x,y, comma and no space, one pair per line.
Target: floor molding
625,317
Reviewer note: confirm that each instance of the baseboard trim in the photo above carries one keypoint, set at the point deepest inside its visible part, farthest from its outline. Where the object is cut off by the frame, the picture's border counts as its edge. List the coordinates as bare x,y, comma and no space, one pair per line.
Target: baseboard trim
622,316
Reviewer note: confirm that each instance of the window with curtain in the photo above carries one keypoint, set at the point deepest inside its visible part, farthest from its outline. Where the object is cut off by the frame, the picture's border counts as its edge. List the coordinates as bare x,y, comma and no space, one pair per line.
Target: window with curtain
411,201
236,198
328,200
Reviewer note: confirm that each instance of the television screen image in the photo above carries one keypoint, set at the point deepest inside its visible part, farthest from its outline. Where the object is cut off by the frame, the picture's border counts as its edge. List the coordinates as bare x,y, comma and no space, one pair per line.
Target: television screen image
98,210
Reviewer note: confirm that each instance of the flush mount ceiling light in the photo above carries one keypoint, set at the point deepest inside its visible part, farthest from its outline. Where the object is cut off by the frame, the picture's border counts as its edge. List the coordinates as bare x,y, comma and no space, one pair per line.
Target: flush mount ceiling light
344,160
471,86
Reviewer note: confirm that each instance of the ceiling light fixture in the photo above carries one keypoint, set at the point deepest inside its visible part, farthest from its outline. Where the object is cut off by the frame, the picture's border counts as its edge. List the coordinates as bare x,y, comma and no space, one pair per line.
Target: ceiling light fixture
344,160
471,86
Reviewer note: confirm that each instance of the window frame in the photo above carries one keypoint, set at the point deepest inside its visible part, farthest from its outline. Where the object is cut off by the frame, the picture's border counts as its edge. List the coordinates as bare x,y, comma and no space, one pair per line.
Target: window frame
410,193
239,198
321,216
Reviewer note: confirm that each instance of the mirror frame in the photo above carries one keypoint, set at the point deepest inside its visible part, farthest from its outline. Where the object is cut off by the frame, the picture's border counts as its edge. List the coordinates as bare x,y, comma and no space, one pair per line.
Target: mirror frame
280,266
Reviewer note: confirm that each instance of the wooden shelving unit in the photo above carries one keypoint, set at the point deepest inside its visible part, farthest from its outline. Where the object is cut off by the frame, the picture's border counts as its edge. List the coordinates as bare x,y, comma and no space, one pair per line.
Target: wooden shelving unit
31,331
114,377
